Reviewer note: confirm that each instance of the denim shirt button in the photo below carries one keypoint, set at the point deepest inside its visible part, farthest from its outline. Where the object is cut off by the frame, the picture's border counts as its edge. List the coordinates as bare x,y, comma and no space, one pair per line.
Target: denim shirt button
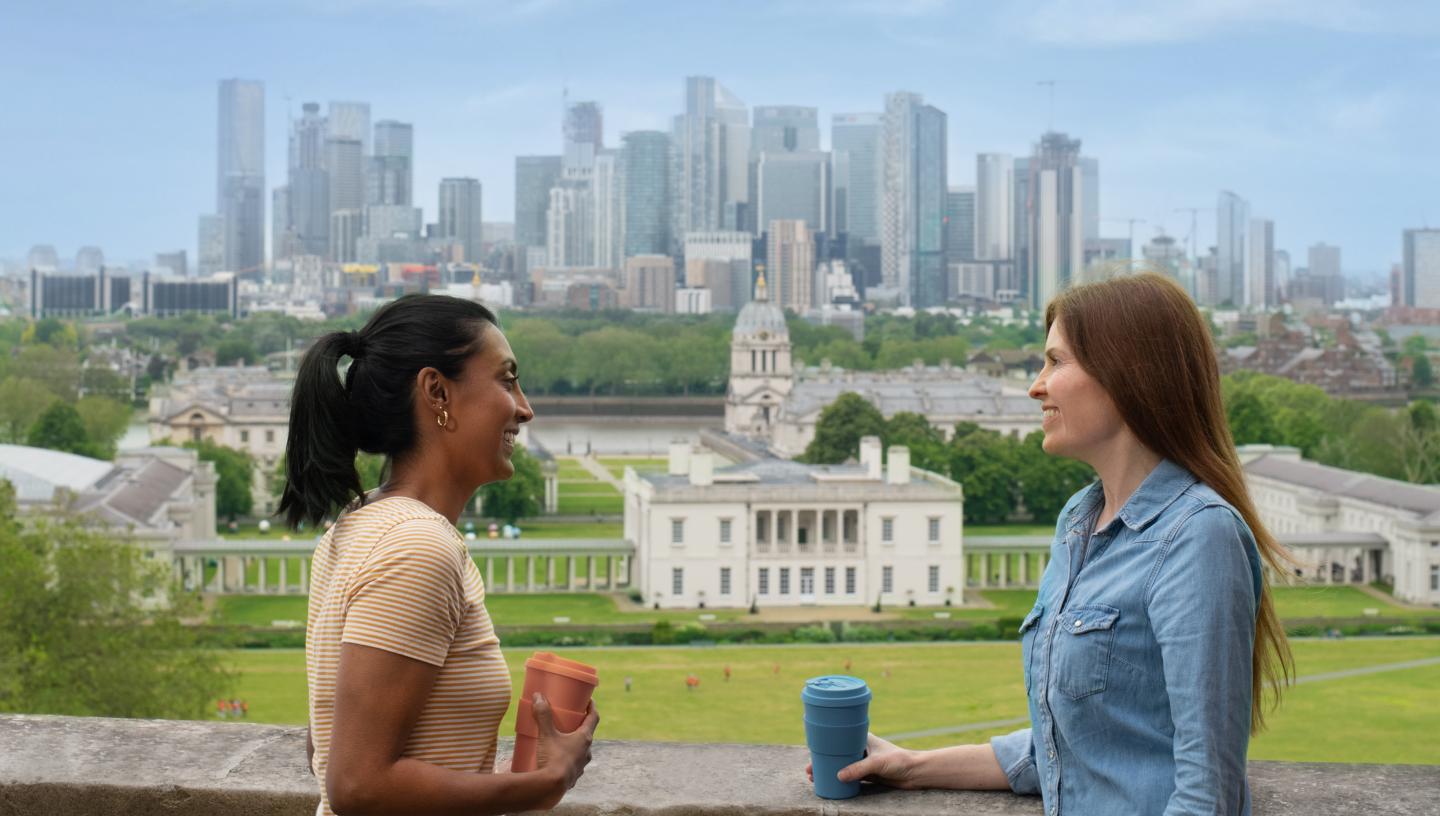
1077,624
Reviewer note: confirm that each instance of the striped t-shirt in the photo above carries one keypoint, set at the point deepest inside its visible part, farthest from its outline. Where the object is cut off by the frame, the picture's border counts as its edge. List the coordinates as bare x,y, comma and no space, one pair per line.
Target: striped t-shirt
395,575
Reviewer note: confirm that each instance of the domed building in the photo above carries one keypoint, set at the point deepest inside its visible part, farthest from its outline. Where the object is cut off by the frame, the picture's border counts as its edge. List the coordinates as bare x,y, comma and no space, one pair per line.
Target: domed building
761,375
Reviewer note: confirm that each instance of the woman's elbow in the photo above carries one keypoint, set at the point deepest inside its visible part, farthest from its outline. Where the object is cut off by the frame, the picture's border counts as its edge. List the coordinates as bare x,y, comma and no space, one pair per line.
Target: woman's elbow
350,794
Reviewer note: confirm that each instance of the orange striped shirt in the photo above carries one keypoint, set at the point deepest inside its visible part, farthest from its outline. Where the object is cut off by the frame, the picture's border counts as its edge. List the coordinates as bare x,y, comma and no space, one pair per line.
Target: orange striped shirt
396,575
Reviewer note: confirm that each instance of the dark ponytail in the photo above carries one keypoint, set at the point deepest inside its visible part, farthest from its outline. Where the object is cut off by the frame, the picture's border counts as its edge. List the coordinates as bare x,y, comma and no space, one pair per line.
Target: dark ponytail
372,409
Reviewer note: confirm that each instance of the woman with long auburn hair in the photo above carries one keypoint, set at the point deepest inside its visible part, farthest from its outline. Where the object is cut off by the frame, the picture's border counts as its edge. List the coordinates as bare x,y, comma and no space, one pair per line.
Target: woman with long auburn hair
1153,638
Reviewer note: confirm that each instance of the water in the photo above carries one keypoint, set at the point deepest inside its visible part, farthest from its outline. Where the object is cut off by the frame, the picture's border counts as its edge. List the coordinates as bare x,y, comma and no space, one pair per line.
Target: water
136,436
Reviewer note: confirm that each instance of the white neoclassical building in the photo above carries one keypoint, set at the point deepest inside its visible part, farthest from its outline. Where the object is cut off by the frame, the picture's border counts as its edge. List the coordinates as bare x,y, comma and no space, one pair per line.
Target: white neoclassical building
780,533
1349,527
772,400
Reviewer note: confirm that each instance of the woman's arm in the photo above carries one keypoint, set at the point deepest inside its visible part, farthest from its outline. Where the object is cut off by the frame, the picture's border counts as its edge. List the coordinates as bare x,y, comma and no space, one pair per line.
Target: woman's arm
378,699
1202,611
962,767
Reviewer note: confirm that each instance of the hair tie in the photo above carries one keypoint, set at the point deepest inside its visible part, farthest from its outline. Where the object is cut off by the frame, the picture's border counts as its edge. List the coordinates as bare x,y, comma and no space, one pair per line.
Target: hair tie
354,344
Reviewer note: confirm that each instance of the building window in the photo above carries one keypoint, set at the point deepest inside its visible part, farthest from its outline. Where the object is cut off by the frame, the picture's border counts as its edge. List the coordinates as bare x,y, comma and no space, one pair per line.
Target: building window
724,531
934,578
764,582
887,579
1435,577
677,580
829,580
802,535
724,580
269,436
934,529
807,580
244,436
762,527
677,531
887,530
784,580
849,580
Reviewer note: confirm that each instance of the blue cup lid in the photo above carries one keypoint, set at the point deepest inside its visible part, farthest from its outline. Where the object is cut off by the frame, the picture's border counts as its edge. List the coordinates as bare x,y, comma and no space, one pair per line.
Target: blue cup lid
835,691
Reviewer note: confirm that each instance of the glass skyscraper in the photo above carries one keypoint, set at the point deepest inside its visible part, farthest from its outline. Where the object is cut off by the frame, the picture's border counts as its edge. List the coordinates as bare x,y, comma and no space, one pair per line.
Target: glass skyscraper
240,174
645,167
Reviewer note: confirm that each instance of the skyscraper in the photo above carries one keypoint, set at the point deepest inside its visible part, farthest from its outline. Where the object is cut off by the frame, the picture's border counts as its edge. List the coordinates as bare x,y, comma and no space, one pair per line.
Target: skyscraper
534,177
210,245
1420,273
1232,221
584,134
1055,205
645,174
1325,272
345,164
994,206
460,215
912,225
608,210
784,129
1260,269
309,182
391,175
959,225
855,140
240,174
570,224
711,166
350,120
793,186
790,264
89,260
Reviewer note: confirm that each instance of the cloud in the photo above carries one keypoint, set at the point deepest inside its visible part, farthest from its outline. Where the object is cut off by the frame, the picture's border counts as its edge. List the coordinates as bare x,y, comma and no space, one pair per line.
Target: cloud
1100,23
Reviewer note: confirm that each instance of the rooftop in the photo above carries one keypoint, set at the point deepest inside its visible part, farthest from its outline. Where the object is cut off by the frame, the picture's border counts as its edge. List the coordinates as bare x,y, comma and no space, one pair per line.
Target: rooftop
1422,500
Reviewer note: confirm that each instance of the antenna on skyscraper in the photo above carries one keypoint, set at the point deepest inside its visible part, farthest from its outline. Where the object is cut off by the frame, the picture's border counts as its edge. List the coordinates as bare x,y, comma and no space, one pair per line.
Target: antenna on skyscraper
1050,115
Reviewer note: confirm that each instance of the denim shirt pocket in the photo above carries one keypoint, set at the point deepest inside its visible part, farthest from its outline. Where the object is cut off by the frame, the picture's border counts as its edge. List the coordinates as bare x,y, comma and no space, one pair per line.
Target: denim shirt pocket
1083,644
1028,629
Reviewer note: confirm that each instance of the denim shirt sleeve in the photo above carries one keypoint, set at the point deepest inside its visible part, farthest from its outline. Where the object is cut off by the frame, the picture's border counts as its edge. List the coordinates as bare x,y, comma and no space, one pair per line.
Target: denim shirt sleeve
1202,609
1016,753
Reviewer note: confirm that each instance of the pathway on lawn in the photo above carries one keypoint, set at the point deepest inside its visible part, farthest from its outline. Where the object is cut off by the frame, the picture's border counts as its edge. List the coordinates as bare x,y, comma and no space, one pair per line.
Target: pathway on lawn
1309,678
1382,595
592,464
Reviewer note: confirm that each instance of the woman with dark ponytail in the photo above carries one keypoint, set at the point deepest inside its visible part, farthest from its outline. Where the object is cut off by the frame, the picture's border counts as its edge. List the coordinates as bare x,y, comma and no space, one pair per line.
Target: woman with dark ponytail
407,684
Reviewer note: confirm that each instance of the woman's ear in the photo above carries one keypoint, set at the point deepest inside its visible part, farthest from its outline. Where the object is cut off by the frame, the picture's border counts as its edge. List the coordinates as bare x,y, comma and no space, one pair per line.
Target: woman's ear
430,384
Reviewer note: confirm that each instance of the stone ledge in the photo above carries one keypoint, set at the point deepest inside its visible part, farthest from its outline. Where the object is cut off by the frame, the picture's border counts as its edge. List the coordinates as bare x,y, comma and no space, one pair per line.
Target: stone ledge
83,766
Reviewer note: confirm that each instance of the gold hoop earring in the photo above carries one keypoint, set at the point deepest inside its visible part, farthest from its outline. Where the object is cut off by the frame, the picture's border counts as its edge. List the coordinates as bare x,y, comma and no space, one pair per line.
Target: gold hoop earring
443,418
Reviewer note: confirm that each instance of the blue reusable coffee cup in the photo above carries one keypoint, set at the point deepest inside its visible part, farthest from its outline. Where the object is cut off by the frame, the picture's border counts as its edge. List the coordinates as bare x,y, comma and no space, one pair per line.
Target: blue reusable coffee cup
837,720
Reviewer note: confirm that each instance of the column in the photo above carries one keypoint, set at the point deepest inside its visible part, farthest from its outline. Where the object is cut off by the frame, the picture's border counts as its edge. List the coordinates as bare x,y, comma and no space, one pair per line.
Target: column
220,574
570,579
530,573
304,575
1366,567
1024,569
590,585
1004,570
509,573
610,570
984,569
1325,567
284,576
550,573
489,571
261,573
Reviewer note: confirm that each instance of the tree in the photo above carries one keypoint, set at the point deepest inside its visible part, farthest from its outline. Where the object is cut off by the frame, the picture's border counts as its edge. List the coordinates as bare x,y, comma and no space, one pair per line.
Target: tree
22,401
1047,482
1250,421
235,349
235,473
519,496
105,421
89,626
838,431
60,428
1421,373
983,462
925,441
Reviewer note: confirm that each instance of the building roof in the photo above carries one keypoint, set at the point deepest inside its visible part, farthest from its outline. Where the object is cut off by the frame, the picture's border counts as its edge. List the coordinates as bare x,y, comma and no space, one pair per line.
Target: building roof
761,315
36,473
760,478
919,391
1422,500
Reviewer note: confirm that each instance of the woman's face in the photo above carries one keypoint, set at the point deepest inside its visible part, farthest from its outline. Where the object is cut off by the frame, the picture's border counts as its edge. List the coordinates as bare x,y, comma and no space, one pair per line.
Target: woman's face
487,408
1080,420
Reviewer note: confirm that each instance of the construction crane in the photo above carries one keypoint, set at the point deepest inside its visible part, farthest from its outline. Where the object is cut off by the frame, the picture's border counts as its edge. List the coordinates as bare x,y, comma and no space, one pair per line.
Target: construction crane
1194,214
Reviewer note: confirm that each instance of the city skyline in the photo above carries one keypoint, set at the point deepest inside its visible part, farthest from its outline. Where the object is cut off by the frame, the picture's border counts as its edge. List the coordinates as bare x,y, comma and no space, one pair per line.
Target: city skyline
1329,150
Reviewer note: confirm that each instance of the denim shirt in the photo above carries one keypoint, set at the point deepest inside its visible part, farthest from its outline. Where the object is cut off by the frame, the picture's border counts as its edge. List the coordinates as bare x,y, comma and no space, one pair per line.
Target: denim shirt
1137,657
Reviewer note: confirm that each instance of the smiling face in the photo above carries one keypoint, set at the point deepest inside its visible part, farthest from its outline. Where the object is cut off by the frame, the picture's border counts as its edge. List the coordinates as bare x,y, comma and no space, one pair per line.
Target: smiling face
1080,419
486,409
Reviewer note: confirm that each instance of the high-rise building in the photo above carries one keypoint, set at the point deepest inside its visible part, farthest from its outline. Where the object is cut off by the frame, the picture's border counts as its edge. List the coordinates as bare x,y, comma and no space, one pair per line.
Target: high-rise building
460,215
350,120
534,178
994,207
1260,269
1055,206
711,169
721,262
1420,274
345,164
584,134
240,174
390,179
790,264
784,129
1325,273
1232,223
608,210
89,260
650,283
1090,187
960,225
855,140
793,186
283,242
912,236
309,182
174,263
570,224
645,174
347,227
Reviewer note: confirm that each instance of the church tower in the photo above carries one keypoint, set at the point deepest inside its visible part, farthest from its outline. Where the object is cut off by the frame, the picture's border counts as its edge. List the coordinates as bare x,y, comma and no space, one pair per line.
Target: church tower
760,371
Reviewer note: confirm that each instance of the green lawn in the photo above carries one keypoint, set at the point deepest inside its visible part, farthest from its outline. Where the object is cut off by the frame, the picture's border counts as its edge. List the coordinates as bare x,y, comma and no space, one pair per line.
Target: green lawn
1337,602
590,504
617,464
1371,718
1009,529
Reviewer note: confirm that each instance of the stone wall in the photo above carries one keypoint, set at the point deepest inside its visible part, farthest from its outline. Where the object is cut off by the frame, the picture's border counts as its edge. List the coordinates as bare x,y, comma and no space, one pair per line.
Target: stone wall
83,766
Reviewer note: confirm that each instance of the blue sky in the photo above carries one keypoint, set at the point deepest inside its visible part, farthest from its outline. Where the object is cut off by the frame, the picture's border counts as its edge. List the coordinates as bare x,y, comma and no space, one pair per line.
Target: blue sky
1322,113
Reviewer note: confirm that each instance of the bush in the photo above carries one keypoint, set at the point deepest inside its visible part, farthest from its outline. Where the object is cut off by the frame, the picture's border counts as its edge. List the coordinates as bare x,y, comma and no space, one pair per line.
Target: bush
689,632
634,595
662,633
813,634
861,634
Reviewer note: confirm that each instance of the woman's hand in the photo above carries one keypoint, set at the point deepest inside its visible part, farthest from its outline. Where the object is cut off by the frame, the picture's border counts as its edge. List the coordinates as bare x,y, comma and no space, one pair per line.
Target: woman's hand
884,763
564,754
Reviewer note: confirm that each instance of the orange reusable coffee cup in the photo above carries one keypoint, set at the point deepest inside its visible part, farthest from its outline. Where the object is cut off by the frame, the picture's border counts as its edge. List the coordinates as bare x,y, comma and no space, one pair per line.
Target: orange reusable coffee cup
567,685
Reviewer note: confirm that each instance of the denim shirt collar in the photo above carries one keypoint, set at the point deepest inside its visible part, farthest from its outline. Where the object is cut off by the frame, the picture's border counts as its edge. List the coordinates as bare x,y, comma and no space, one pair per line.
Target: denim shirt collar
1159,490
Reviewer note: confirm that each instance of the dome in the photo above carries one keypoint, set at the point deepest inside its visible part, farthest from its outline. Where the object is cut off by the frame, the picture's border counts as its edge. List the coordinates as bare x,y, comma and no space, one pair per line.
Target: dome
761,316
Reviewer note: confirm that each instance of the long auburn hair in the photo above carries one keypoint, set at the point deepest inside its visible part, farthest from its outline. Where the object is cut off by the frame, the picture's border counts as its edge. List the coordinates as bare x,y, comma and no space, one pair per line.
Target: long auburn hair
1142,338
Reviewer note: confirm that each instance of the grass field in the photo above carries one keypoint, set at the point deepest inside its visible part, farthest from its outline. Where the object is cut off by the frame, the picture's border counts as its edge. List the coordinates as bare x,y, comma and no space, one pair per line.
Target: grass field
617,464
1370,718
